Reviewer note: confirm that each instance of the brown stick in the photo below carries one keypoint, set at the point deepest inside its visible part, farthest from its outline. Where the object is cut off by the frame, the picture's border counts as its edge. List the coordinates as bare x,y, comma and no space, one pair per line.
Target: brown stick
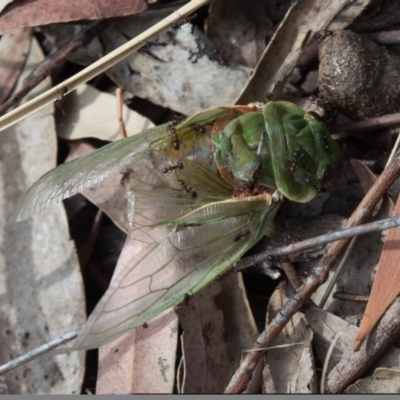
120,106
370,124
243,374
54,60
351,368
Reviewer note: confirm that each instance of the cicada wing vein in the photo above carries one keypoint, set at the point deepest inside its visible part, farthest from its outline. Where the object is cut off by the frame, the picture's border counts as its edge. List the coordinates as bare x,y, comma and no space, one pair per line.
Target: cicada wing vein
164,271
84,172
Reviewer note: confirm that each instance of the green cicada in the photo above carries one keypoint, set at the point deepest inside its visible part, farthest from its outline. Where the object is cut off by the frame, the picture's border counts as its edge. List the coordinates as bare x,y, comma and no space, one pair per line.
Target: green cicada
198,194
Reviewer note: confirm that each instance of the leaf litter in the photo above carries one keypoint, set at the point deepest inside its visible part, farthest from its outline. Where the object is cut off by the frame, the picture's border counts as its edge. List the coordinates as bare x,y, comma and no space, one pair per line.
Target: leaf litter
188,74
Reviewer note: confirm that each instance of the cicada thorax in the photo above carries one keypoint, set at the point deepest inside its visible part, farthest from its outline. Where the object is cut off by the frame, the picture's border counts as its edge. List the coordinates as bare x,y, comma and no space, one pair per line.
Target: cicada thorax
242,153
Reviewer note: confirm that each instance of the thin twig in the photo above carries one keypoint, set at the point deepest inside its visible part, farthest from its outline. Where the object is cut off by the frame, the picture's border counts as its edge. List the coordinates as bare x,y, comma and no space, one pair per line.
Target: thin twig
326,361
306,244
99,66
120,109
31,355
367,125
46,68
349,296
291,274
242,377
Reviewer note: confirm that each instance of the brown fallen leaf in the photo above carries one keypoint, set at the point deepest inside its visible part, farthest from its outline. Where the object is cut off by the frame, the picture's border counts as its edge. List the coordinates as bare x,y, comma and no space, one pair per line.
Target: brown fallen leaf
384,380
28,13
203,346
14,49
92,113
292,368
345,366
386,285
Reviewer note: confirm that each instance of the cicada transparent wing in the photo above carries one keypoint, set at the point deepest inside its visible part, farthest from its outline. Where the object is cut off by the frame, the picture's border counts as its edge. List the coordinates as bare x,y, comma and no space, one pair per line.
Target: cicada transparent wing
206,243
115,158
84,172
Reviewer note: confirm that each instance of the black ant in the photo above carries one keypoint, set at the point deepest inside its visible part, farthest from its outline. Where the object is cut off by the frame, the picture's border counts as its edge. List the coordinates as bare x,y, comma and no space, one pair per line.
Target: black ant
177,119
296,156
156,43
165,170
215,55
326,144
319,189
60,99
250,185
187,189
126,174
184,20
198,128
174,136
241,235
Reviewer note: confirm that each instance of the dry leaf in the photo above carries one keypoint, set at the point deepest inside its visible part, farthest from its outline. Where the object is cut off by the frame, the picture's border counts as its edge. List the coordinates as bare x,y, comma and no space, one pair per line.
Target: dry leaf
268,382
292,368
326,326
238,29
14,49
204,351
142,360
3,4
302,21
91,113
386,284
28,13
383,380
239,324
42,291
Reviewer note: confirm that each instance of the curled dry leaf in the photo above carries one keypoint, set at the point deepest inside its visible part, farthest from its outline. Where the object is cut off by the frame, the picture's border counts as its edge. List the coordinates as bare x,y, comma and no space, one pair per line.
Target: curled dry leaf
28,13
304,18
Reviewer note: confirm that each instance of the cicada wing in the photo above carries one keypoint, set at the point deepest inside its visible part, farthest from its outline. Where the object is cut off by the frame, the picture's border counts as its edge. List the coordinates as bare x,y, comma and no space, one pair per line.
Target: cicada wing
182,262
149,195
75,176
